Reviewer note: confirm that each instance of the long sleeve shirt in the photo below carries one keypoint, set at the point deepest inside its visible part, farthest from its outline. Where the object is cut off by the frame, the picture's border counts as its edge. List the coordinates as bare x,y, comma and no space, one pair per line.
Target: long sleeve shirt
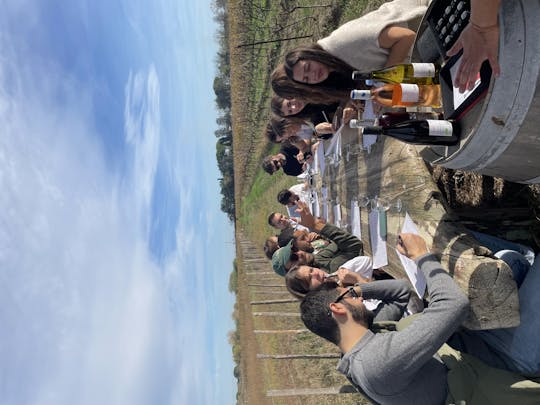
292,166
400,367
348,246
394,297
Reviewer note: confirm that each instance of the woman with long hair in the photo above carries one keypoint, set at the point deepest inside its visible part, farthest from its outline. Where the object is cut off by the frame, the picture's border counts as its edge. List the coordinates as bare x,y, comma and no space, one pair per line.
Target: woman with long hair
321,72
280,129
302,279
387,299
329,79
296,109
295,130
320,117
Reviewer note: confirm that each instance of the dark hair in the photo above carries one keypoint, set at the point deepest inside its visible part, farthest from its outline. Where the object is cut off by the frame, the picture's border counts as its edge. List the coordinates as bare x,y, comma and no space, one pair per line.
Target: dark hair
283,196
314,113
271,218
268,165
285,236
278,126
336,87
296,285
298,118
314,311
270,247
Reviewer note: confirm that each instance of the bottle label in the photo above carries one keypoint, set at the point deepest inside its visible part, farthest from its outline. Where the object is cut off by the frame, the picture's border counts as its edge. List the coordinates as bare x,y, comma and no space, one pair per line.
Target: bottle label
439,128
423,69
360,94
410,93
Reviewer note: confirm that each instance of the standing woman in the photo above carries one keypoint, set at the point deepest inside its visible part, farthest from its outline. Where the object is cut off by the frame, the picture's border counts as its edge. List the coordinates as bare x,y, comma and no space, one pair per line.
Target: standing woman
321,73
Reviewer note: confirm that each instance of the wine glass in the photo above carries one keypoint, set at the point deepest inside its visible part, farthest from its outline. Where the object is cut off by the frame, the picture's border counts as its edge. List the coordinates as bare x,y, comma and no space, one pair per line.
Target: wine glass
384,204
364,201
329,160
394,206
352,149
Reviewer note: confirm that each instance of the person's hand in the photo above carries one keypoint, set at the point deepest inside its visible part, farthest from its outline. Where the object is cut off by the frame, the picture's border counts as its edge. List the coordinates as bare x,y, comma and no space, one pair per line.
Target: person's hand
324,128
411,245
377,109
478,45
311,236
300,157
347,277
306,218
348,114
358,105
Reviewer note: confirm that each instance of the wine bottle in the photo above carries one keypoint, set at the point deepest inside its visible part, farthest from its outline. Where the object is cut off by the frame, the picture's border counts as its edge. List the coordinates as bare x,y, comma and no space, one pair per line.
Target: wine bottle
385,120
415,73
361,123
402,95
388,119
420,132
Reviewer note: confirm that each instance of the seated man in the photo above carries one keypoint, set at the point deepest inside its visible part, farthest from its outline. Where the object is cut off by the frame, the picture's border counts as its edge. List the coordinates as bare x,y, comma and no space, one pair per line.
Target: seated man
345,246
281,222
285,159
270,246
310,242
400,367
290,197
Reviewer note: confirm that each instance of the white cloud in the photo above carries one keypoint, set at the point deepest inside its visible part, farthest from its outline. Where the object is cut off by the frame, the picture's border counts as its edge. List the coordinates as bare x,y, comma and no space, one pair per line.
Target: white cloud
142,125
84,310
87,315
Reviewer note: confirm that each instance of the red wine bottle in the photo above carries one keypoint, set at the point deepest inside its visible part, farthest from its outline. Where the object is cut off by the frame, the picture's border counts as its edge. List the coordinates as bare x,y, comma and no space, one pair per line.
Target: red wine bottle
388,119
420,132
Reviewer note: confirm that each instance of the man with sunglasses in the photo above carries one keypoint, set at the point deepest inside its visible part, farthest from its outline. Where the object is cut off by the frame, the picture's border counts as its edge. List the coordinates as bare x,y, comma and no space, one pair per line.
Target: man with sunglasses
411,366
284,159
343,246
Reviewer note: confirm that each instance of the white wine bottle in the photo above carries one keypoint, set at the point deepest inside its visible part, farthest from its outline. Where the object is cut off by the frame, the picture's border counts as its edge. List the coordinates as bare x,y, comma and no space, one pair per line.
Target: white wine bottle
415,73
420,132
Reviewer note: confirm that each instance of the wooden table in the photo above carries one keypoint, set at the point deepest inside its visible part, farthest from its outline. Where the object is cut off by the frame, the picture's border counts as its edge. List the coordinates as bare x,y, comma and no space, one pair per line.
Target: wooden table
393,170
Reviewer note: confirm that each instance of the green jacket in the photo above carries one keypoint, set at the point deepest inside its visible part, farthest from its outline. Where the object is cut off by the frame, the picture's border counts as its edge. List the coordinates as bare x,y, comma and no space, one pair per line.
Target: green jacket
343,247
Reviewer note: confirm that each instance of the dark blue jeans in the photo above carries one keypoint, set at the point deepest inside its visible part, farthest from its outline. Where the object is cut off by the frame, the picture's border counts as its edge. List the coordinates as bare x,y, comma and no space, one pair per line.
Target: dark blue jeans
520,344
518,257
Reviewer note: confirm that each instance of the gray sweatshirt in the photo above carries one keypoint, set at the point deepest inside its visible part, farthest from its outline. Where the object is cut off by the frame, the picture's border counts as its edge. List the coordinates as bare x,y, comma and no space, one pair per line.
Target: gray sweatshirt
399,367
394,295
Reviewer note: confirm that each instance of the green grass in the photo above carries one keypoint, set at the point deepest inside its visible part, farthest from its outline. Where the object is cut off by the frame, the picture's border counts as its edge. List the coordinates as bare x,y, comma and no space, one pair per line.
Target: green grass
260,202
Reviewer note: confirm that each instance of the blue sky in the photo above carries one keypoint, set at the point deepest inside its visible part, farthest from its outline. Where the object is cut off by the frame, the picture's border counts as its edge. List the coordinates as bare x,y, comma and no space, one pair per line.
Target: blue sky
114,255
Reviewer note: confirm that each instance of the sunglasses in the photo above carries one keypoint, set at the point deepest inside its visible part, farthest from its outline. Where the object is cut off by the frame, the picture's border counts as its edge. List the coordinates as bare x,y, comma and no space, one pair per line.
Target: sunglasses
350,291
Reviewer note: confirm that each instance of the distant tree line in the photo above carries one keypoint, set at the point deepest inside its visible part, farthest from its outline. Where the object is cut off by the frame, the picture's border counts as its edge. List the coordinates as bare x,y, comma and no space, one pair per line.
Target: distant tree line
222,90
